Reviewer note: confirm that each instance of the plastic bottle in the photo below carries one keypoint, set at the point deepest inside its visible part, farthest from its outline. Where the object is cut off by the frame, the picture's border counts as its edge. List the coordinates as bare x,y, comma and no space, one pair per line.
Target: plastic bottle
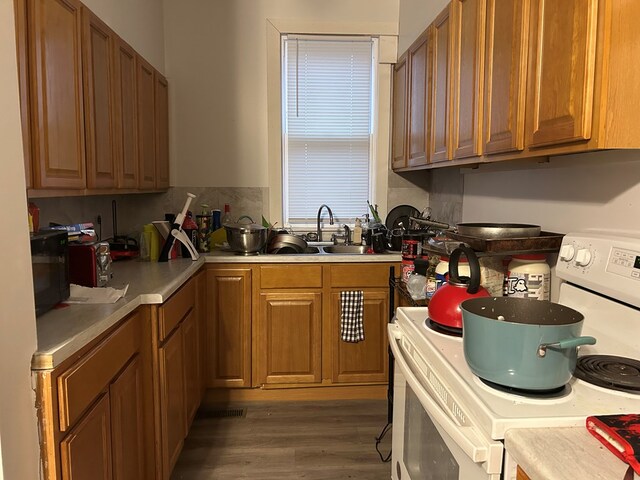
226,217
528,276
357,232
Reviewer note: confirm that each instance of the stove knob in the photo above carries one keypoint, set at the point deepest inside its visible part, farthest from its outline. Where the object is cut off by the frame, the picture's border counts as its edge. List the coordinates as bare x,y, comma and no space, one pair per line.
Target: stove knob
567,252
583,257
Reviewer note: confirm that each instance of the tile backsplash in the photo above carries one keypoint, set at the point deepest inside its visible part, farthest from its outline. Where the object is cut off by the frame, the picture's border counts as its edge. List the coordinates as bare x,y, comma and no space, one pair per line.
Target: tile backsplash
135,210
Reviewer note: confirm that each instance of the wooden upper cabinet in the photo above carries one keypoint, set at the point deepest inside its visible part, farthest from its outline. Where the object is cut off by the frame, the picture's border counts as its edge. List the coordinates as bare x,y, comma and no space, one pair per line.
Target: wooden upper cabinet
440,128
161,91
99,81
418,100
399,114
126,108
506,75
23,84
562,73
468,31
57,116
146,124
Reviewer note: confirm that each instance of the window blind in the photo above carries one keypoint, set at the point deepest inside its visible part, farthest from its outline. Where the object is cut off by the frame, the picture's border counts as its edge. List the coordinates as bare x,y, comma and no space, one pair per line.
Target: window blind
327,117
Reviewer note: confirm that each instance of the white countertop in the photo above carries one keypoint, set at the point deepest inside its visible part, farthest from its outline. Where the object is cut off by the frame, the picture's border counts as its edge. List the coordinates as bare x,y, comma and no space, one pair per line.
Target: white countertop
226,256
562,453
62,332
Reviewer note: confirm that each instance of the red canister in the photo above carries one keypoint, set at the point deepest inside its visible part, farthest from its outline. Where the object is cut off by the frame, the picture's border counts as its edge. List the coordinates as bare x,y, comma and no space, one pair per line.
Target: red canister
411,245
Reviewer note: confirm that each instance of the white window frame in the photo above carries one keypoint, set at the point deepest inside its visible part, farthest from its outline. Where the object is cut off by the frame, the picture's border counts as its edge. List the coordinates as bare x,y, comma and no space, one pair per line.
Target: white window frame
373,121
387,34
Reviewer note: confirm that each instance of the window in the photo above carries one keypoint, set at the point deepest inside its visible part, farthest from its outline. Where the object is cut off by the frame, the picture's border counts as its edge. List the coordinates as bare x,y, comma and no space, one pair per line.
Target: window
327,91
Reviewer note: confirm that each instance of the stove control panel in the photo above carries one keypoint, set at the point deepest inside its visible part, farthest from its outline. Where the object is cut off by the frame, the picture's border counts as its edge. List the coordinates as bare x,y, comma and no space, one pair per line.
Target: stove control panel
604,263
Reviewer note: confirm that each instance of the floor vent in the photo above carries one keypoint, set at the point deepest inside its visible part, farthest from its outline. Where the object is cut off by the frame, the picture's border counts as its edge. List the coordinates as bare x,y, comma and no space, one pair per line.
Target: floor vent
223,413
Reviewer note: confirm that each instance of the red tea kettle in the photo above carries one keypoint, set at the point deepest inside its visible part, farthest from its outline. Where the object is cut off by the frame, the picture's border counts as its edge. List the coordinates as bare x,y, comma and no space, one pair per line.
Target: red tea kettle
444,306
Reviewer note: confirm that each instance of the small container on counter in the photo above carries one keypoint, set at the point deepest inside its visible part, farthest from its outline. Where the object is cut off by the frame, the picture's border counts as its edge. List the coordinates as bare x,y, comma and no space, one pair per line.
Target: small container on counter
528,276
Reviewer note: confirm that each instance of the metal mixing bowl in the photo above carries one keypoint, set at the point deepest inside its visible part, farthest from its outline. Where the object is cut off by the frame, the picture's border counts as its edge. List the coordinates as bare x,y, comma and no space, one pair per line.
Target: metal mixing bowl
246,238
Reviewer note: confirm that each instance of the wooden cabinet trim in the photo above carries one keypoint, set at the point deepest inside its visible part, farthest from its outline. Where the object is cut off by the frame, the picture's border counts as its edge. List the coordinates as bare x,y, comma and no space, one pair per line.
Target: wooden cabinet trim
399,113
441,121
146,124
82,383
418,99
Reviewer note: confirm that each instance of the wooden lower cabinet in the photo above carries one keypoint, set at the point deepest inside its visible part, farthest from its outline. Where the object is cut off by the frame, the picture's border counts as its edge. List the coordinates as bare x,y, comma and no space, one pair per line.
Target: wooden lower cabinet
172,407
228,354
93,409
364,361
86,450
192,377
289,342
127,422
278,325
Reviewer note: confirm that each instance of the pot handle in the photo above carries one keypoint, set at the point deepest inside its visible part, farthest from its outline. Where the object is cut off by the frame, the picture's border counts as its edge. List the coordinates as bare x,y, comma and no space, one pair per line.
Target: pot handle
564,344
474,267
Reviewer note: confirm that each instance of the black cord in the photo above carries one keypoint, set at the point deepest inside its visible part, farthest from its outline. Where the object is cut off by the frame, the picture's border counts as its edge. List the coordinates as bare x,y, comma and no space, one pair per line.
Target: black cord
379,438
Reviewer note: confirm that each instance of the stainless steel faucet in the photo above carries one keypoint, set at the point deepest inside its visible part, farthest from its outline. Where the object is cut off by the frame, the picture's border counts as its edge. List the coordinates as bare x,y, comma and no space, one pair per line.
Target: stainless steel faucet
318,230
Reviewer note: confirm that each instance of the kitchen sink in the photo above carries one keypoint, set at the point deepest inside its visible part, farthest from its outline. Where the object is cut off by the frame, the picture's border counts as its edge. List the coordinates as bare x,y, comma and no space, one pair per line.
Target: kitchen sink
346,249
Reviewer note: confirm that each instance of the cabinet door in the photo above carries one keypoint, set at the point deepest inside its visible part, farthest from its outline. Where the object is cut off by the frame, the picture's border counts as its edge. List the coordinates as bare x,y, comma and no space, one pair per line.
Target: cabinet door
126,111
289,342
468,76
399,119
190,340
228,354
23,84
172,417
562,71
506,79
418,100
201,318
55,31
146,125
364,361
440,144
127,427
161,91
86,451
98,47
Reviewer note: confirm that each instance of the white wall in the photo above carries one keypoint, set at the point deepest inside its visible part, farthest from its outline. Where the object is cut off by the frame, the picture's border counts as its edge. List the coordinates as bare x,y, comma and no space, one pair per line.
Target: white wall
415,16
138,22
18,434
216,61
577,192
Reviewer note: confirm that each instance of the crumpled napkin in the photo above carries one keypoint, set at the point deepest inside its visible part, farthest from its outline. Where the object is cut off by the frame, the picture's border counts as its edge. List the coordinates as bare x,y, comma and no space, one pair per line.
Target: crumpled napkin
79,294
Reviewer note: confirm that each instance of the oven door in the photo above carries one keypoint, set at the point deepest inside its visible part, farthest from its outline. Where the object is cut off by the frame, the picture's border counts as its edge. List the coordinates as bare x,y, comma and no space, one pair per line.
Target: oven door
430,440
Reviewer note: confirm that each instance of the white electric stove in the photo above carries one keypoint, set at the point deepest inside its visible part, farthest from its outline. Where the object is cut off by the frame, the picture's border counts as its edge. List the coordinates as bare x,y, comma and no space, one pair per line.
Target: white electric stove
444,415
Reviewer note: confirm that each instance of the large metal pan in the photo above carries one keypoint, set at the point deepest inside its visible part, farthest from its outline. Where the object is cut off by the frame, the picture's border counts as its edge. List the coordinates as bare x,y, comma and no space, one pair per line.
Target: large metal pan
485,230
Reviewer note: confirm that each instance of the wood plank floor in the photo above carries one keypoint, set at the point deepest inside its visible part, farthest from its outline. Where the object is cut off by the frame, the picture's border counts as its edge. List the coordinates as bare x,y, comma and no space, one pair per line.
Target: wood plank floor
288,440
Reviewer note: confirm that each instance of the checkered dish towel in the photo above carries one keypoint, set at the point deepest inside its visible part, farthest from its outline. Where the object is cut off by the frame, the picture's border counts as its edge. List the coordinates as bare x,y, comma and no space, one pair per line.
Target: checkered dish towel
351,326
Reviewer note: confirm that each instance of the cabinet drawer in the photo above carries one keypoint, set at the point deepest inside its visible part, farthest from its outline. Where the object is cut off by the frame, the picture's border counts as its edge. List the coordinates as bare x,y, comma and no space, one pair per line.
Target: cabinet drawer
291,276
171,313
353,275
82,383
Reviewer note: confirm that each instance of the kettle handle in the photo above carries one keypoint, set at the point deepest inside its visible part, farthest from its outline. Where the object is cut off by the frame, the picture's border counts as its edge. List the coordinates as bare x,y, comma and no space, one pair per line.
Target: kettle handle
474,267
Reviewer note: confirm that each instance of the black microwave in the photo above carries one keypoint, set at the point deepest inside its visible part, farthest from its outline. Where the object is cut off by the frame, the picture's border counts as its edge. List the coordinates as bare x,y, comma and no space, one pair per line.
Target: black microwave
50,266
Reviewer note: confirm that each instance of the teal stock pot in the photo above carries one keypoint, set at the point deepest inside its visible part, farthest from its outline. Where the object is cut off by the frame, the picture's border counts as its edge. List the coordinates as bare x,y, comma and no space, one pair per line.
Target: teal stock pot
522,343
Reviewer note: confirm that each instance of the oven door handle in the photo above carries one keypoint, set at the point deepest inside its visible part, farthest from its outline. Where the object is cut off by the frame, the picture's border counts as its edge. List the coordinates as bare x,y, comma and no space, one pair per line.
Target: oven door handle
472,443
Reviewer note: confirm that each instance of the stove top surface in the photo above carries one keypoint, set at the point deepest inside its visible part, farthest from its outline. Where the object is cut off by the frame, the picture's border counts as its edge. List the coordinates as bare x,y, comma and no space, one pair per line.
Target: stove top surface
496,410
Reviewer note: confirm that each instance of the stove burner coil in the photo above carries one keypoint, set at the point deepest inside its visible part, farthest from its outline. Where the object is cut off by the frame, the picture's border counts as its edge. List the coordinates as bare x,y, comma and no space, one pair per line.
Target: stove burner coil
443,329
610,371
